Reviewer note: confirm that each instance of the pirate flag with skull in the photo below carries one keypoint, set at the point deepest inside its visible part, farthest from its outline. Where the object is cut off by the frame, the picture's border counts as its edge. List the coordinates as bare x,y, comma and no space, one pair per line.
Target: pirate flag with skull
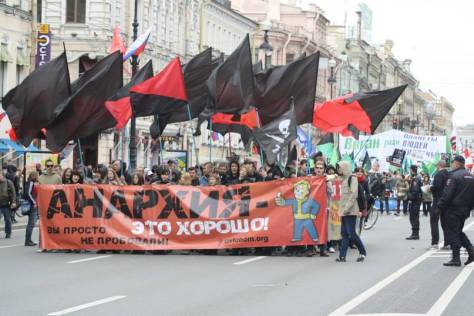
275,136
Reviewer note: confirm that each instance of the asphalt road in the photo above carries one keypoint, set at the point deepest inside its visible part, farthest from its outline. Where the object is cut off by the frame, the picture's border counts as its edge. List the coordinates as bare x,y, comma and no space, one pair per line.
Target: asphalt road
399,277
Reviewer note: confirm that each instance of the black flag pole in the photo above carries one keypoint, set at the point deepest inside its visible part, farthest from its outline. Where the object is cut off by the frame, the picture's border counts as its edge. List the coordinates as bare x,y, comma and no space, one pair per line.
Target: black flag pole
194,137
79,148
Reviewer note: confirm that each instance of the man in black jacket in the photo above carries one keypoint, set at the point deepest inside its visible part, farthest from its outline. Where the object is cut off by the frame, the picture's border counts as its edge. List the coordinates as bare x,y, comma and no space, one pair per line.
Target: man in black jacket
456,202
415,196
439,183
7,202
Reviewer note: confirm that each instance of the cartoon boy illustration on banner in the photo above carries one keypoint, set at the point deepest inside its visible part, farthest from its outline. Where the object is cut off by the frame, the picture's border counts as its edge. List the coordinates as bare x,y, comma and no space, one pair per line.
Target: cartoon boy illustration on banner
305,210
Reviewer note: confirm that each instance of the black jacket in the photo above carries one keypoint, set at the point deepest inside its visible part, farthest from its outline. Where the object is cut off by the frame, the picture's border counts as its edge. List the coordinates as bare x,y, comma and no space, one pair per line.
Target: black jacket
459,192
232,178
439,183
414,191
376,186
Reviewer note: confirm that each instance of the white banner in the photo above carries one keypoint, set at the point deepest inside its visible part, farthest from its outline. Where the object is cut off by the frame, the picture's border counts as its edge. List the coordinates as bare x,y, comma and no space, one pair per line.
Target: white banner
418,148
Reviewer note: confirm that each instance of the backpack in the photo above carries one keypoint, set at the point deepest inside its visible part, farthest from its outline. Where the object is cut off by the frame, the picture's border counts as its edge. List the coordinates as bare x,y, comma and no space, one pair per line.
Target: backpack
361,198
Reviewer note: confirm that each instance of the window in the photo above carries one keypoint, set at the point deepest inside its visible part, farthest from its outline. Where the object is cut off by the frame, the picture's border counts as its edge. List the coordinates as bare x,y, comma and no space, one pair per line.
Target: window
76,11
19,74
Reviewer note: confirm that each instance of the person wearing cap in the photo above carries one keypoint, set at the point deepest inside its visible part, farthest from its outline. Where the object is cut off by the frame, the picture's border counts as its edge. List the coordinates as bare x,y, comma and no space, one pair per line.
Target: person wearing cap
456,203
415,196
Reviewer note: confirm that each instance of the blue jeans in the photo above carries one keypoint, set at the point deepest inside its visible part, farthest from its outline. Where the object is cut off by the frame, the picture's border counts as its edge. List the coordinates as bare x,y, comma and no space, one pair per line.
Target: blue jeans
32,218
7,215
348,233
299,225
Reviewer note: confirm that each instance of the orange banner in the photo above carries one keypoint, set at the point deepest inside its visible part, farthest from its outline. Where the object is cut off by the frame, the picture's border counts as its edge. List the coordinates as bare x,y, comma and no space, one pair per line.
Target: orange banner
166,217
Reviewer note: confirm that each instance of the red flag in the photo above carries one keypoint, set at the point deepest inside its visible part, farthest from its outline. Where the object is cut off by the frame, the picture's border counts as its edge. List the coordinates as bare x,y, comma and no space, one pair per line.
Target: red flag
362,111
167,83
119,104
117,43
248,119
12,134
154,95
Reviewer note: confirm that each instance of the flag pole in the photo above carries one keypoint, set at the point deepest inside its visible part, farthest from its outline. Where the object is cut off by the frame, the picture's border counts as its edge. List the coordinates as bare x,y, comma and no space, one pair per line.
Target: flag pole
159,137
259,125
310,148
210,140
297,160
70,93
194,137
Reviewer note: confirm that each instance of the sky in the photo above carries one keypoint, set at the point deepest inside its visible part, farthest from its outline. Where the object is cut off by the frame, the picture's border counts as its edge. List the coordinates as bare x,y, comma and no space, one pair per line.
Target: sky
435,34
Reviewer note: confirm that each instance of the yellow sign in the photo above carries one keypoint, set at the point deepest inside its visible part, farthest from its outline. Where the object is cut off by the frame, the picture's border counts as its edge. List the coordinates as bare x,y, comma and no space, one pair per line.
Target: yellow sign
43,28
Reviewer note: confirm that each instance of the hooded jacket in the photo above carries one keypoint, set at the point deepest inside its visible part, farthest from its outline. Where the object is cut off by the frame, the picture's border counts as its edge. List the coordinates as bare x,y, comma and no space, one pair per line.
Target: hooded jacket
348,203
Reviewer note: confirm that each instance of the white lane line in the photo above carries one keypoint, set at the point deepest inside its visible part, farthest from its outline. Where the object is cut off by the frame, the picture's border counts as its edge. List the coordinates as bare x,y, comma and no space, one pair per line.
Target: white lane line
10,246
87,305
249,260
438,308
356,301
389,314
89,259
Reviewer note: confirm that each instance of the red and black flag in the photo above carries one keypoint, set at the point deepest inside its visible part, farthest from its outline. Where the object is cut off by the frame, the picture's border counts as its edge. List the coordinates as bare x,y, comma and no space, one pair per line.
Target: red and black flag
231,84
84,111
242,124
119,104
159,94
275,86
195,72
35,103
361,111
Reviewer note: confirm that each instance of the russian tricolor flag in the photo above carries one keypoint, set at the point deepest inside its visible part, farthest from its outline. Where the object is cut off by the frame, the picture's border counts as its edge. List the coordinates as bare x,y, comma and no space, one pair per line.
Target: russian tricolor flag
138,46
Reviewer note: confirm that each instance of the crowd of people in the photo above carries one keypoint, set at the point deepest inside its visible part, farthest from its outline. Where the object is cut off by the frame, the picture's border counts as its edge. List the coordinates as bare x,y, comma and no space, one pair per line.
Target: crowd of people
359,189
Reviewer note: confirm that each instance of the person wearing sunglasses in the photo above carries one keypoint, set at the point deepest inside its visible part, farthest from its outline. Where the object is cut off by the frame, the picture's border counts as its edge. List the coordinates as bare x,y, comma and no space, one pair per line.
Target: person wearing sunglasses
49,176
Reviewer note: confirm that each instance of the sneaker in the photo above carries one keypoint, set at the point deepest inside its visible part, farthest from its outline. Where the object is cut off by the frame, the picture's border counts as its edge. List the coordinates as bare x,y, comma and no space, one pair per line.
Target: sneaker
8,236
433,247
413,237
366,226
332,250
361,258
30,244
341,259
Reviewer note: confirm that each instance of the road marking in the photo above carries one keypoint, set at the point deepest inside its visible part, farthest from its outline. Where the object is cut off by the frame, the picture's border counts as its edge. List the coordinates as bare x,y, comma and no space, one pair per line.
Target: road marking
270,285
89,259
10,246
398,218
356,301
250,260
438,308
87,305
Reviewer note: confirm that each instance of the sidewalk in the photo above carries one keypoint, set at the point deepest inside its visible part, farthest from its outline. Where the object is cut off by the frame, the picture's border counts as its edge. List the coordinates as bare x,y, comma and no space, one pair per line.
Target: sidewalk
21,223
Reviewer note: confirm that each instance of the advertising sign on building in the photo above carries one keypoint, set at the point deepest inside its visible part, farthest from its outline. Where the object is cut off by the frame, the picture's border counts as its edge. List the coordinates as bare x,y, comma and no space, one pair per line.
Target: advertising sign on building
43,45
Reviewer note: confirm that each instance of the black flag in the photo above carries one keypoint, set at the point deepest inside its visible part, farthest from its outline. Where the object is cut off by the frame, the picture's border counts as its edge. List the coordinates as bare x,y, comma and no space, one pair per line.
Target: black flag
231,84
276,86
34,104
84,111
276,135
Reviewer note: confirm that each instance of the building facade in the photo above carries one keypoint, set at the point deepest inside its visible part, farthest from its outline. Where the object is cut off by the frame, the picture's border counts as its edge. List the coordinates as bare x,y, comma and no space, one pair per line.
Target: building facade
16,47
86,28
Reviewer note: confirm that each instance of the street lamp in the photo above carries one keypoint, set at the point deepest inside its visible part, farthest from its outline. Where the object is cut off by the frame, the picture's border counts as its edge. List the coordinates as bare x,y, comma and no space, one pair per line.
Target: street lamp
265,46
332,79
133,127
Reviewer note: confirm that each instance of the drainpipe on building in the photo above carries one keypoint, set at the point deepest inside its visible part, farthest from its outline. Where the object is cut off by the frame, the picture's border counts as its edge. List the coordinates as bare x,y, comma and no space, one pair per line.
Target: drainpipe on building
306,45
289,34
201,20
